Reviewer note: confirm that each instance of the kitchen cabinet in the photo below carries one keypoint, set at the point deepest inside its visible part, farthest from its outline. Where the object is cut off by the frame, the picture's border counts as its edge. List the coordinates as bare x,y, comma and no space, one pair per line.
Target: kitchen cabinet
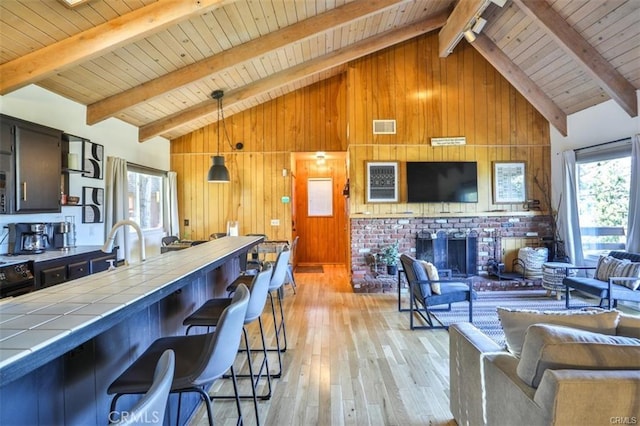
79,269
53,276
101,263
67,268
29,179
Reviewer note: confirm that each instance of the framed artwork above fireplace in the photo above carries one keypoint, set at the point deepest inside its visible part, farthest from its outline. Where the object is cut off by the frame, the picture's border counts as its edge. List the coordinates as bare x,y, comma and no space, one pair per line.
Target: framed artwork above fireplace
509,182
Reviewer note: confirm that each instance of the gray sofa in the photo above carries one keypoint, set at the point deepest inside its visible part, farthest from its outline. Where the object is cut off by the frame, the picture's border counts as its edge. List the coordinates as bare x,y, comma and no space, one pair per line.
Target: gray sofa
487,388
607,290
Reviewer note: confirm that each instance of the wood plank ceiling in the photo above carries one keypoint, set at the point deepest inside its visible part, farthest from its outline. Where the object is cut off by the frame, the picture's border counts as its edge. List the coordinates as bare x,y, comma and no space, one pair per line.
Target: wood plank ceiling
154,64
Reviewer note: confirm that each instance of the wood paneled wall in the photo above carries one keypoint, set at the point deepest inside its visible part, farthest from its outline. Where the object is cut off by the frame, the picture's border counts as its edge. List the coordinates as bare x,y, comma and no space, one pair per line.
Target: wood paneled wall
461,95
308,120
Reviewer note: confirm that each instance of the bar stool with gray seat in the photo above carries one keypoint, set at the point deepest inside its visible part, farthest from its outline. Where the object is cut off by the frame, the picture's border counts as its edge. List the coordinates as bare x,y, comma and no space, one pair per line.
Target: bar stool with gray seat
169,239
152,406
200,359
276,282
253,261
208,316
290,278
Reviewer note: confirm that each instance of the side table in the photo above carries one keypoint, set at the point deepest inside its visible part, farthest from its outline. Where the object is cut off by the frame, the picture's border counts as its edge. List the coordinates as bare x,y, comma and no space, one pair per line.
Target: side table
552,275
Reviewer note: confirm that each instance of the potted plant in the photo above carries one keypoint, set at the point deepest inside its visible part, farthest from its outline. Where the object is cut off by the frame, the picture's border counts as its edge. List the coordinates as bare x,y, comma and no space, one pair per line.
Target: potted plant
389,256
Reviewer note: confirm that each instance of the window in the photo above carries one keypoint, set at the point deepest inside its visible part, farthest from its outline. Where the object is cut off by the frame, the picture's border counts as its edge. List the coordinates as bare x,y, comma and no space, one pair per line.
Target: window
145,197
604,184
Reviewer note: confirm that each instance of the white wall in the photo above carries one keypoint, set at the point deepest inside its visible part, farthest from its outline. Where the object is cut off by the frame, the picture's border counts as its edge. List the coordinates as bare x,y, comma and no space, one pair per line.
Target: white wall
35,104
604,122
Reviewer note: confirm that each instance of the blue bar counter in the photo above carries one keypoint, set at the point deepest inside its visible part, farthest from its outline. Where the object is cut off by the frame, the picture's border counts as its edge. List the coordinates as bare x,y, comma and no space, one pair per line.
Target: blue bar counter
62,346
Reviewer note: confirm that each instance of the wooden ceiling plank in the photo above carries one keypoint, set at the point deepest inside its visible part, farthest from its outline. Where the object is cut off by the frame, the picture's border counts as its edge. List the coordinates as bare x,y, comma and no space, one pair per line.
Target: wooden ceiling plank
298,72
451,33
19,42
43,20
600,70
189,41
199,32
99,13
269,14
608,21
510,30
241,16
234,56
96,41
584,16
540,56
521,82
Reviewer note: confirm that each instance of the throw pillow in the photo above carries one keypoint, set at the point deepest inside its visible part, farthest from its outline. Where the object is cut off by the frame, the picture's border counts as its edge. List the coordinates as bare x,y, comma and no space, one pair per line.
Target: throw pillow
556,347
515,323
629,326
607,266
432,275
629,270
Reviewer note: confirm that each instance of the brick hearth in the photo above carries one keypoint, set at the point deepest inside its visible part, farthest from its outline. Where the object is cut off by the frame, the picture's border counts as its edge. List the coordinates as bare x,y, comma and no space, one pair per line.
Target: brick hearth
389,284
369,235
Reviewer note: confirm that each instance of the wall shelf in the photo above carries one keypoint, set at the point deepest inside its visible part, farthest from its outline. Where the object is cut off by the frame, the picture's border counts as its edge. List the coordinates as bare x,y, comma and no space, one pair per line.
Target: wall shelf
70,171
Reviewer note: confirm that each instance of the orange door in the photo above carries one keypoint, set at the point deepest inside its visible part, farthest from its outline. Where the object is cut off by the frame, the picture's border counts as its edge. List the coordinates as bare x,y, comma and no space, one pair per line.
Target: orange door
320,211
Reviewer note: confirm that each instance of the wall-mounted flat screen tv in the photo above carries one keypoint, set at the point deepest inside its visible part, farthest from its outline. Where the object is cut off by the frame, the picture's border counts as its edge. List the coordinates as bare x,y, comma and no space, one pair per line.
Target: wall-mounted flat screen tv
442,182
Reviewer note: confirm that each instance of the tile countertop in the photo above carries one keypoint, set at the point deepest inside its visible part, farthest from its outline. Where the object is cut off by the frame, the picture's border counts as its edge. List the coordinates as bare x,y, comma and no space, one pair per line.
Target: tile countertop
38,327
46,255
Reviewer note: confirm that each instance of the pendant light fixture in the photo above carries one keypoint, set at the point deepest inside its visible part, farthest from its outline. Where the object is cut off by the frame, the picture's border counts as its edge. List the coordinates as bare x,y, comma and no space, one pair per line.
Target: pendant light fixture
218,172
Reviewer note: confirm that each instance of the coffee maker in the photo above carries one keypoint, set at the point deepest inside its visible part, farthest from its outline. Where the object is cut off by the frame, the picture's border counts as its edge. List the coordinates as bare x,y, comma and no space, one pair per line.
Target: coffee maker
28,238
63,235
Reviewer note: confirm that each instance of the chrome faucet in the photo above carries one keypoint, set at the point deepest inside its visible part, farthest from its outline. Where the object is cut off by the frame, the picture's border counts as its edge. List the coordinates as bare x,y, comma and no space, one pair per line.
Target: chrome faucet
108,245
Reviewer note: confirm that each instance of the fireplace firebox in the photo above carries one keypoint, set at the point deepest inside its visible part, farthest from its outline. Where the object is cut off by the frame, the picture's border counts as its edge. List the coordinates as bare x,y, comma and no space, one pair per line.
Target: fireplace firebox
456,251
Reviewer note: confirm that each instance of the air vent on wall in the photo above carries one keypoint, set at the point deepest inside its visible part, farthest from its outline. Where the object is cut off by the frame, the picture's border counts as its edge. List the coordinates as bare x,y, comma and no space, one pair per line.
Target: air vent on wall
384,127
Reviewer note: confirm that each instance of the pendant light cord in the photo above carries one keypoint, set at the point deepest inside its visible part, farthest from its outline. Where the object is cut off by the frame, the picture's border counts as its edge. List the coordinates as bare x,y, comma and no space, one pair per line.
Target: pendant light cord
219,115
218,95
224,128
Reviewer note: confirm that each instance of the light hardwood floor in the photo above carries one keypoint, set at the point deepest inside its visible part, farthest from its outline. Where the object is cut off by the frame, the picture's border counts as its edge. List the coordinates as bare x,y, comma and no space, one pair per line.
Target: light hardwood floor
351,360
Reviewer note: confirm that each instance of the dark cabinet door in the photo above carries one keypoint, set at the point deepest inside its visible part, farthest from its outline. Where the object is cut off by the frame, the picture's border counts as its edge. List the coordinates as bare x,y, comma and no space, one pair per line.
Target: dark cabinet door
53,276
37,169
78,269
99,264
7,174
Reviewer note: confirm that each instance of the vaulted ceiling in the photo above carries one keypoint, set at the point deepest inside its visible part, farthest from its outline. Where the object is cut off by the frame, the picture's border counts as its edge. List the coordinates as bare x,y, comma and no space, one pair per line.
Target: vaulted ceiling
154,64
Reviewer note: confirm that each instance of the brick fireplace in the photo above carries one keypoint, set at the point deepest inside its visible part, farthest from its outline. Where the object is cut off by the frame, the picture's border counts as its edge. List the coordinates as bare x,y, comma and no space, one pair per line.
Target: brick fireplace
369,235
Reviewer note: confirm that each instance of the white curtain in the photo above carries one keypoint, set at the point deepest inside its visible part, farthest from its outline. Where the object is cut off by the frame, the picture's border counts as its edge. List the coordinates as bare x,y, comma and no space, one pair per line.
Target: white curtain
171,224
633,237
116,201
568,220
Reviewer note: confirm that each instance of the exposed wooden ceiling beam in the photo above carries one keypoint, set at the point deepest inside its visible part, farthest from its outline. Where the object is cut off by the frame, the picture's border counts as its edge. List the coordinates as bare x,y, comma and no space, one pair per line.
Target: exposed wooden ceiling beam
96,41
521,82
568,39
293,74
112,105
464,12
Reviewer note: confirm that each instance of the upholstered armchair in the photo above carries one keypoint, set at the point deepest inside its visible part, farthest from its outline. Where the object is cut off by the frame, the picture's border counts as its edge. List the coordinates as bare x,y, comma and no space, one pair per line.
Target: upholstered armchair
428,289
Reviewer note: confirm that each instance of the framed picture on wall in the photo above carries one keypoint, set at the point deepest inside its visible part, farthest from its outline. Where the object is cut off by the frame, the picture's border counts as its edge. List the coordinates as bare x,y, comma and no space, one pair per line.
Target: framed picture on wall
382,182
509,182
93,205
92,160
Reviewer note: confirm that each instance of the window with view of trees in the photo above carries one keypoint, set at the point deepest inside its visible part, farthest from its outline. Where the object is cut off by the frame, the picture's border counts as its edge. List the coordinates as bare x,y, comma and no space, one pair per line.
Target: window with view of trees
145,199
604,182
